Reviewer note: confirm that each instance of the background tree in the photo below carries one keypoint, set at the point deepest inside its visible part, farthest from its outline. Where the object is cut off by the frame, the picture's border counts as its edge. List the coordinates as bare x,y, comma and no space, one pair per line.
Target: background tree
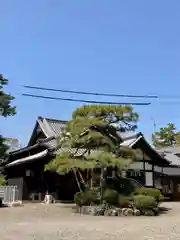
5,110
166,136
92,140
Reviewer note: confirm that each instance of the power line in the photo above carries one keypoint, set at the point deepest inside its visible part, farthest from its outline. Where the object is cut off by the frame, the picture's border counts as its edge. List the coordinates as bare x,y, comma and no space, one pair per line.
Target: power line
90,93
85,101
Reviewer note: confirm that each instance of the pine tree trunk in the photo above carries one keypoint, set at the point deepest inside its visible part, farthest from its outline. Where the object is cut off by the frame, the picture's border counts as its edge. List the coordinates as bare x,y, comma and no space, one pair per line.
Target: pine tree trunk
101,184
91,179
82,179
77,180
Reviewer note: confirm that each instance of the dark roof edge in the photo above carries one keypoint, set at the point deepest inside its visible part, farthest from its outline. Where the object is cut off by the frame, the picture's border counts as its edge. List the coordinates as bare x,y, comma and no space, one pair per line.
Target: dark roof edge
27,148
132,136
53,119
154,150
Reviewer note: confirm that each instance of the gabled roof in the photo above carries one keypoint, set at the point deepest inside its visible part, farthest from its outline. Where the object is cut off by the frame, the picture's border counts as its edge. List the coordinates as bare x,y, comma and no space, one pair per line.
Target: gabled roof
53,128
50,127
131,141
168,153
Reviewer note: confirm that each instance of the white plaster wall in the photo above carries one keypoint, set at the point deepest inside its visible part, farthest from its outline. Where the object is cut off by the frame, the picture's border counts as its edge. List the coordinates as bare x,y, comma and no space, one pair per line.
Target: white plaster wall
149,179
165,170
148,166
172,171
136,165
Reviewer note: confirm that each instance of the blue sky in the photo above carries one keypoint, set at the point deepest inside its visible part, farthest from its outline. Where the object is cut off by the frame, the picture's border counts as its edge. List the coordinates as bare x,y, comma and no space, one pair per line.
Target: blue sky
130,47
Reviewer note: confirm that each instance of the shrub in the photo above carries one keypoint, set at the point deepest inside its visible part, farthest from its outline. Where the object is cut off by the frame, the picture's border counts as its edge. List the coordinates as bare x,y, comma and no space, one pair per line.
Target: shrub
125,201
144,203
111,197
86,197
78,198
124,186
2,181
153,192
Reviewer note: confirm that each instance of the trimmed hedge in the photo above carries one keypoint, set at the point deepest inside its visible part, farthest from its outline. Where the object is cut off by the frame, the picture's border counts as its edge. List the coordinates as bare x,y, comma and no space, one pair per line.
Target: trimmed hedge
87,197
111,196
144,203
153,192
125,201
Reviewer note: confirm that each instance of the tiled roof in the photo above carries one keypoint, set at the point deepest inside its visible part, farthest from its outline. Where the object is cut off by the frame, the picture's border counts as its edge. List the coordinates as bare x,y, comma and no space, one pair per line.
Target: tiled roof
171,149
57,126
172,158
71,151
51,127
54,128
130,141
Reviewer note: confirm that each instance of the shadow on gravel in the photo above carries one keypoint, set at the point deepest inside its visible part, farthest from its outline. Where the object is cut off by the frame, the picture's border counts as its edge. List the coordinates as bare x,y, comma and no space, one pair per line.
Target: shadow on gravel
3,206
164,210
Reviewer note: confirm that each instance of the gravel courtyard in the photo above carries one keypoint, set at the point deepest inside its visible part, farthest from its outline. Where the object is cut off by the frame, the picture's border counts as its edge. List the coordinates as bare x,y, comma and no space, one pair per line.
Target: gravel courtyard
52,222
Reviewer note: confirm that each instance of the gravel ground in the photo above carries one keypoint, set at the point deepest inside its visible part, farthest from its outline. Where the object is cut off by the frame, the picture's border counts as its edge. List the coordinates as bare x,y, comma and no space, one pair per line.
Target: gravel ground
58,222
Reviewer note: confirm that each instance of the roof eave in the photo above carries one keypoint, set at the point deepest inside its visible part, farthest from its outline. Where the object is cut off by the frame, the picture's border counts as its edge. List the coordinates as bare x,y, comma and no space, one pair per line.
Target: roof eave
41,143
163,160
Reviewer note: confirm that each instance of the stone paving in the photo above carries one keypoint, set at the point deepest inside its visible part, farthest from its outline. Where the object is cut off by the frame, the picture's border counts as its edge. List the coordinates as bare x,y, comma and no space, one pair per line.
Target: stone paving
58,222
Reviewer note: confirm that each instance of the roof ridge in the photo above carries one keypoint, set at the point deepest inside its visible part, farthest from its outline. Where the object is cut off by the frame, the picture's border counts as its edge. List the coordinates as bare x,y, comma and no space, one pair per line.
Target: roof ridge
136,135
53,119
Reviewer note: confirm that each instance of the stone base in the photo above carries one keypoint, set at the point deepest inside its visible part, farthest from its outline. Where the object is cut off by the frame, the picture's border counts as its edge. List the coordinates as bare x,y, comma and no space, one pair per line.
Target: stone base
15,204
101,210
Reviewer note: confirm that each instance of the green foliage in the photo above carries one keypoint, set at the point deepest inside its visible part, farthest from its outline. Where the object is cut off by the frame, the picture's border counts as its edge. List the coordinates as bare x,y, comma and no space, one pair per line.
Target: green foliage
143,202
65,163
91,141
125,201
105,159
153,192
5,110
111,197
3,149
94,127
166,136
5,99
124,186
2,181
86,197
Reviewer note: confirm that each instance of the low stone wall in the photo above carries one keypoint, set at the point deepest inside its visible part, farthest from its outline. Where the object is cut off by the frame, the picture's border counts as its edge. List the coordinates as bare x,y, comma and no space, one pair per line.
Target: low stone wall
103,211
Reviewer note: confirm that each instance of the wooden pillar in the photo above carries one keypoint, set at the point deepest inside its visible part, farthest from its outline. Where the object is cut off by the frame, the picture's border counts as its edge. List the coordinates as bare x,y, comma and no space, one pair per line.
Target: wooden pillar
153,175
144,169
149,176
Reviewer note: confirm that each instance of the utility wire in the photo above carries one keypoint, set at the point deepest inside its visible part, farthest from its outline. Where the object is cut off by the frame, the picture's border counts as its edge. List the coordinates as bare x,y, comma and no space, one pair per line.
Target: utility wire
86,101
157,97
91,93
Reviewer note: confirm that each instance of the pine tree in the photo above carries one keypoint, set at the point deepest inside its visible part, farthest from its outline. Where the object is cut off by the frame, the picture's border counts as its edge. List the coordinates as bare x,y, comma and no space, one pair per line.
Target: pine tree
5,110
92,140
166,136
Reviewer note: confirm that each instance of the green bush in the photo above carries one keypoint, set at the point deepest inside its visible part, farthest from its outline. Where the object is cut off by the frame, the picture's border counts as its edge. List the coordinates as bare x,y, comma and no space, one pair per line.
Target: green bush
2,181
124,186
111,196
144,203
86,197
125,201
153,192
